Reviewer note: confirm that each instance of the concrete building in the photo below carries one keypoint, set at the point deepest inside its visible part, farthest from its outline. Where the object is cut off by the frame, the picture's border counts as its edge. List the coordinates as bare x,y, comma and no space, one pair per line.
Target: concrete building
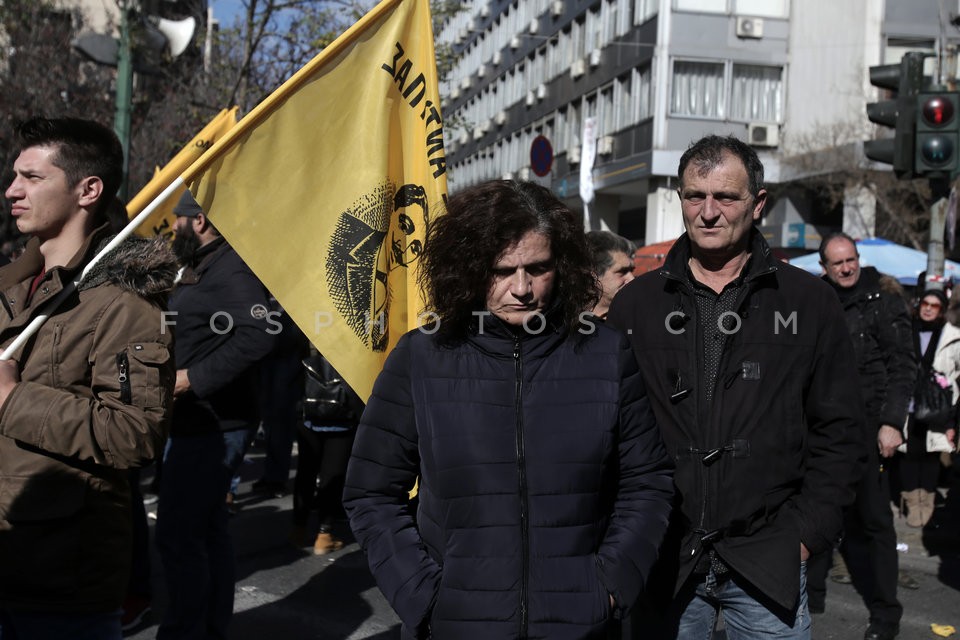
789,76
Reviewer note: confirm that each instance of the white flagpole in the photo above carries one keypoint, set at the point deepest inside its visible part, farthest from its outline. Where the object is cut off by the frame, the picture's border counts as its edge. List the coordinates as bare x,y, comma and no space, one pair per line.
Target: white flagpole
51,306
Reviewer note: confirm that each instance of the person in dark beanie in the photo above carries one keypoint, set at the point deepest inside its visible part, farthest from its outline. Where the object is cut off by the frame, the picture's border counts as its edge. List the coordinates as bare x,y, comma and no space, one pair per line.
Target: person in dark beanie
219,314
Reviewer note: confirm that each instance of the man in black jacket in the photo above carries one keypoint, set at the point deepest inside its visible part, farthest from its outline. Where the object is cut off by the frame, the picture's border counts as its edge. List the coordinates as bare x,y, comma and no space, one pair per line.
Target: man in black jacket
220,316
750,373
883,344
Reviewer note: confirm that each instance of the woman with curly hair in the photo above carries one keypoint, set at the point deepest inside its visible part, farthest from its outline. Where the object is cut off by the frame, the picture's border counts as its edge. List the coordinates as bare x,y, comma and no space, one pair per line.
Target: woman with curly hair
544,489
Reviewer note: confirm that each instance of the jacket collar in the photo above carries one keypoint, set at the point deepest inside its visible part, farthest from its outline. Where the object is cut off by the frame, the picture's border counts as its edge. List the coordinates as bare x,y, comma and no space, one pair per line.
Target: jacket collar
761,263
30,263
867,284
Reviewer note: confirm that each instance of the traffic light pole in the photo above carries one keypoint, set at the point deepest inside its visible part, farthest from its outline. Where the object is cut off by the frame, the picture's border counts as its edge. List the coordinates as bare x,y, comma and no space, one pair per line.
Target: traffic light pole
940,187
124,97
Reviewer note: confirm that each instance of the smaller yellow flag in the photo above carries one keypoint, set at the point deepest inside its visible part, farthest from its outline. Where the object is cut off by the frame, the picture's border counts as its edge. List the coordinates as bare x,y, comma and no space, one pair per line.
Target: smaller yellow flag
160,222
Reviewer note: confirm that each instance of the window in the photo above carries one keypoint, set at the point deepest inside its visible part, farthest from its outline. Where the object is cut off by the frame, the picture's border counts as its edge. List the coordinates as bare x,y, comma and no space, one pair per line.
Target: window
896,47
632,98
698,89
703,6
643,10
702,89
606,117
756,93
763,8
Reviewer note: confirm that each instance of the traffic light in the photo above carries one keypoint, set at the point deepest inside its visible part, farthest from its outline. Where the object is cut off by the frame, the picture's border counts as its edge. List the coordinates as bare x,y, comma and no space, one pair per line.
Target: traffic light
937,134
906,78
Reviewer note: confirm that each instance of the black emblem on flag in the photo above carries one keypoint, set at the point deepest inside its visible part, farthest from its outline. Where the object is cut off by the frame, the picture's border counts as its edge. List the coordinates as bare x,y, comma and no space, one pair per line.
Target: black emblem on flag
371,239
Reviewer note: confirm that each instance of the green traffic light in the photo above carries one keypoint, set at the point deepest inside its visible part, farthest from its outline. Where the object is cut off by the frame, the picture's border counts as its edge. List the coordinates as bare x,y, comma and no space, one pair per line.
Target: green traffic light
936,150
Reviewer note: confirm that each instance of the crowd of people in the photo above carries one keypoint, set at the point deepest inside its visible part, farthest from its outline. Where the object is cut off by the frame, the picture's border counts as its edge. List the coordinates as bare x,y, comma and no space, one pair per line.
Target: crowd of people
565,451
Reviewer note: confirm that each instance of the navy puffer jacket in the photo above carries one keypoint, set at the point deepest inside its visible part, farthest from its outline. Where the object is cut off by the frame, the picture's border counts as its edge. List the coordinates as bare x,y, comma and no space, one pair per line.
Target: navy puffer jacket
544,485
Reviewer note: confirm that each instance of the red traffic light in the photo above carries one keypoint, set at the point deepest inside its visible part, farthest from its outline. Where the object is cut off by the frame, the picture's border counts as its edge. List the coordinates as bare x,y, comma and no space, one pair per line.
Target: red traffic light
937,111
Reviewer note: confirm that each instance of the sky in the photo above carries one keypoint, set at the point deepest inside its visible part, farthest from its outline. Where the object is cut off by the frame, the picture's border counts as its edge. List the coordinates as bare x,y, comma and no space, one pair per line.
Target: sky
226,10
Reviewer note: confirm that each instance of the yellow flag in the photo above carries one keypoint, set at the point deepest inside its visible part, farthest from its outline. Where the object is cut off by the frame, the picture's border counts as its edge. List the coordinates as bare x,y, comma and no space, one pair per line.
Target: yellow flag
160,222
327,187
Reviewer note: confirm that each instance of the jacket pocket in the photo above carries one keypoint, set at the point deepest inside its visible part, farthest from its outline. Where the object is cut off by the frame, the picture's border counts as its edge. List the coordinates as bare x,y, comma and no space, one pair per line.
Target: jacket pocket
147,381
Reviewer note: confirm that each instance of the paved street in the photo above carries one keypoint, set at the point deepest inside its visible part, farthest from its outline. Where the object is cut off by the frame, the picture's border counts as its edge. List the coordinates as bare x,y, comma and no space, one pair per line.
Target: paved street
289,594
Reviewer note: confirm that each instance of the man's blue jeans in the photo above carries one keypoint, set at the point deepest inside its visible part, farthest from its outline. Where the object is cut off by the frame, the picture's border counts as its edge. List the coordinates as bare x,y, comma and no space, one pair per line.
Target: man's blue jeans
54,626
744,617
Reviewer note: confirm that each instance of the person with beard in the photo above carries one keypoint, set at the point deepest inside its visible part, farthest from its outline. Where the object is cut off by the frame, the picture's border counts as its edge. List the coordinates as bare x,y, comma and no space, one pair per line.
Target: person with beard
937,344
219,314
879,325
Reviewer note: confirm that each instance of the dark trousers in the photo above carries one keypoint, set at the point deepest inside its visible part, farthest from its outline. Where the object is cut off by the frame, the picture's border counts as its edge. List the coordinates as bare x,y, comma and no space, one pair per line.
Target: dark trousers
281,383
194,539
321,469
140,567
919,469
869,548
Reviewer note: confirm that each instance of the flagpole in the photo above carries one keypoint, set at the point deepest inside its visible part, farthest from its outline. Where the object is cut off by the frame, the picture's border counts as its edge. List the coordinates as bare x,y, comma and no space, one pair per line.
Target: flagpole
68,290
262,110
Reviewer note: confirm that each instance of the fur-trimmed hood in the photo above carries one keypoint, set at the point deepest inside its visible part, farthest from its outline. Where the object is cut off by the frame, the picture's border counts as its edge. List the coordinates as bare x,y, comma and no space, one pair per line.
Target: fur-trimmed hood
143,266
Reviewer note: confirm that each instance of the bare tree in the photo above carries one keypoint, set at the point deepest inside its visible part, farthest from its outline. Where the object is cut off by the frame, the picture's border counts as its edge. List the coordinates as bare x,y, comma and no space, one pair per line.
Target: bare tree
828,162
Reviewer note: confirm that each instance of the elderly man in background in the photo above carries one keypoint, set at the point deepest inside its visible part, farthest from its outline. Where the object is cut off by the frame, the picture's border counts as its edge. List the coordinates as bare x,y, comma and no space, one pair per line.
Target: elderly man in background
612,258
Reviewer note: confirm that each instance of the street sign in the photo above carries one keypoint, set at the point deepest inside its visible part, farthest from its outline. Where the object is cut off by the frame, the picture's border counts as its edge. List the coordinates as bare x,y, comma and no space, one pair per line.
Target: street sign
541,156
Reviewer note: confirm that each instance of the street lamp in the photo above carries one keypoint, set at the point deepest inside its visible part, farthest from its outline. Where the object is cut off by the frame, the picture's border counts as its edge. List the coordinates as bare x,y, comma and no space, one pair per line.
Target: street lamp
172,35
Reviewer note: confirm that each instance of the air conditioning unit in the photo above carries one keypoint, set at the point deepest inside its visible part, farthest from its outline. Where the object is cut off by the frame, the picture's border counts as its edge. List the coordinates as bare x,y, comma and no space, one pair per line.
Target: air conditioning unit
524,173
481,71
507,176
478,133
595,58
500,118
557,8
534,26
464,137
749,27
485,11
605,145
496,59
573,154
541,91
763,134
462,35
578,68
454,93
465,83
515,42
531,98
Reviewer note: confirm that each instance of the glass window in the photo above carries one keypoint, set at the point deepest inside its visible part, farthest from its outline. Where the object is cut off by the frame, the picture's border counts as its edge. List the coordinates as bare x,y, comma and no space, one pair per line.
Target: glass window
764,8
574,124
607,115
703,6
643,10
698,89
623,102
622,25
756,93
560,144
643,92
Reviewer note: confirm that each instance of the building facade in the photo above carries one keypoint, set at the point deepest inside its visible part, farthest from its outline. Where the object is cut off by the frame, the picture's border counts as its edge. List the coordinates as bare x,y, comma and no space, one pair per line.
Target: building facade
648,77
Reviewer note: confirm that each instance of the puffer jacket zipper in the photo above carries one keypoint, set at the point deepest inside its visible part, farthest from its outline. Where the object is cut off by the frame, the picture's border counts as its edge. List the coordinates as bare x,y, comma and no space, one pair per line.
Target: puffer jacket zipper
522,474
